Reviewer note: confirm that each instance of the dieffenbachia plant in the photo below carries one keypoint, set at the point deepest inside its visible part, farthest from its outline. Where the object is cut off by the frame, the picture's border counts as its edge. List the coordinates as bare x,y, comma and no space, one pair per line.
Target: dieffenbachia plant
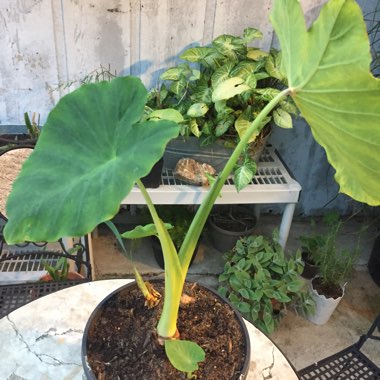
94,147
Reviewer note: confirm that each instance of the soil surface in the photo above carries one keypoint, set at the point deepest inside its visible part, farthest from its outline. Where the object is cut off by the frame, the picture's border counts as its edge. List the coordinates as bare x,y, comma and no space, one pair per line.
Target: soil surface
122,340
329,291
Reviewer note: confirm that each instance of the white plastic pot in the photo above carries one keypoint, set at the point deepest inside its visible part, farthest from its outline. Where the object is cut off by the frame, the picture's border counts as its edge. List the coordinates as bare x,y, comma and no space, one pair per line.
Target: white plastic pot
324,307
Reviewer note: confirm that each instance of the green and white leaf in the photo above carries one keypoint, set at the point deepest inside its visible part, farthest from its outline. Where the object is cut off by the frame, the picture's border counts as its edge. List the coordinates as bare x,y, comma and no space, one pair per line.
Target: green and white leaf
222,74
251,34
256,54
288,106
223,124
174,73
229,88
197,110
272,66
196,54
243,69
243,176
327,68
166,114
178,87
202,94
229,46
222,108
251,81
268,93
282,118
195,75
194,128
242,124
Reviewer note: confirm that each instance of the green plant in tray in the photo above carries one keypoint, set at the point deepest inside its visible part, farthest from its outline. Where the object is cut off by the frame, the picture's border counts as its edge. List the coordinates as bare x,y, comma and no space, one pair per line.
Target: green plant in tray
94,146
220,90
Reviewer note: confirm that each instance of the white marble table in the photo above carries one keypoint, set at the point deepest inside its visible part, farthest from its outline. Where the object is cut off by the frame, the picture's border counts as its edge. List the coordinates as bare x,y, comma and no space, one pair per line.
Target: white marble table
42,340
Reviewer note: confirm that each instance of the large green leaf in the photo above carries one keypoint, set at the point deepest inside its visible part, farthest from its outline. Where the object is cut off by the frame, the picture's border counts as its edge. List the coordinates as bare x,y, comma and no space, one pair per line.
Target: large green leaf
328,73
92,149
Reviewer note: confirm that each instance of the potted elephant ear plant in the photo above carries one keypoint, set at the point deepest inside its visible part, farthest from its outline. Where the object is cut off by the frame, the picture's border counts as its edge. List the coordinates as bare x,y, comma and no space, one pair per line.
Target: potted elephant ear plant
94,147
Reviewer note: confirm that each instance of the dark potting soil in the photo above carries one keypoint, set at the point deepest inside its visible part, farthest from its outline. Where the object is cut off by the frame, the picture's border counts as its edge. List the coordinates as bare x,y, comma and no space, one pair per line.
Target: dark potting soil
122,343
329,291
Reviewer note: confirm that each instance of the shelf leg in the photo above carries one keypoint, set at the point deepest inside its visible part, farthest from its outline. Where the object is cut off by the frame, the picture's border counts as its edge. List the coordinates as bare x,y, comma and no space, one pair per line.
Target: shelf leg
286,222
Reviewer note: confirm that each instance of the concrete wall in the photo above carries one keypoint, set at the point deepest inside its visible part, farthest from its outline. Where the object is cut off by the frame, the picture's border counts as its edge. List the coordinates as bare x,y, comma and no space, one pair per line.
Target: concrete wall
45,43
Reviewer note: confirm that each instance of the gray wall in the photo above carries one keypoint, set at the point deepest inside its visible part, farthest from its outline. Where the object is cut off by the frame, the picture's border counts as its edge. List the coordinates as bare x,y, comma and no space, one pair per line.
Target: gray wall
45,43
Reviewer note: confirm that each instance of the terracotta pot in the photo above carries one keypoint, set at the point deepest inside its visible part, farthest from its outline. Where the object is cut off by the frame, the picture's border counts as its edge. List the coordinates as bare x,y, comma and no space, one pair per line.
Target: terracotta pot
98,352
70,276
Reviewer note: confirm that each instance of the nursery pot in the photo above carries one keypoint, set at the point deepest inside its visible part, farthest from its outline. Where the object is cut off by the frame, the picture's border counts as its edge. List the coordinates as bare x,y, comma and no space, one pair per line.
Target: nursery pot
310,269
153,179
215,154
225,228
324,305
119,339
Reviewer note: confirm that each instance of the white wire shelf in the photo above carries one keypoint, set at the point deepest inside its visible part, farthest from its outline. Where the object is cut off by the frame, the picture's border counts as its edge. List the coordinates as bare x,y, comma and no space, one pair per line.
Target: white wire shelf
271,184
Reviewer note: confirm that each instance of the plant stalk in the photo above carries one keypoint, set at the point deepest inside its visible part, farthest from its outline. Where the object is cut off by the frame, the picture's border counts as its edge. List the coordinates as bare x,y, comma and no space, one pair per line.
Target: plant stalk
174,280
199,221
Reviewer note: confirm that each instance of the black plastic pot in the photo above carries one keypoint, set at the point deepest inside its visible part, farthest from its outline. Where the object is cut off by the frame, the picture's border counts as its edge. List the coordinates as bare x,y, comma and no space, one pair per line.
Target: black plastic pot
153,179
311,269
225,232
98,311
374,262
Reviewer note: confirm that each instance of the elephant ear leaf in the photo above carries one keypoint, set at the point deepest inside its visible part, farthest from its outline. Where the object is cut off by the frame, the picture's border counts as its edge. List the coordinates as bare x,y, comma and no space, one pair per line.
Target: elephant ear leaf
328,75
91,151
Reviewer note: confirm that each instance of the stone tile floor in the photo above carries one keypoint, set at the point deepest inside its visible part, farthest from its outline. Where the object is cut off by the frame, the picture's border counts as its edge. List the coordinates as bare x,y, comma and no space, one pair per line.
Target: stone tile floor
300,340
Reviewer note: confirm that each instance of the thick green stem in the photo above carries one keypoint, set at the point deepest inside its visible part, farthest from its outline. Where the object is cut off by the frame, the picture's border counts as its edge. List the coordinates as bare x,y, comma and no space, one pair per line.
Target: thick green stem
191,239
174,281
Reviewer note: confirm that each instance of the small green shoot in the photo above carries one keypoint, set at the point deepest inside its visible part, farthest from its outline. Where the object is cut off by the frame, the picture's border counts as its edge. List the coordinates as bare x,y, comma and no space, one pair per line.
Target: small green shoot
184,355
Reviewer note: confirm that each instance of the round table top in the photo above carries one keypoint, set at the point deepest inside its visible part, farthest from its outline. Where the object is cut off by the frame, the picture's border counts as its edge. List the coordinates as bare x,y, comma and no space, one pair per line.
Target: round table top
42,340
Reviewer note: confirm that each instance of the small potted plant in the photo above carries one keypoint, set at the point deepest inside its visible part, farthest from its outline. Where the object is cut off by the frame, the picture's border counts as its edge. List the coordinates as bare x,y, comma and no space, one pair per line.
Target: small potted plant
29,139
94,147
259,280
60,271
334,269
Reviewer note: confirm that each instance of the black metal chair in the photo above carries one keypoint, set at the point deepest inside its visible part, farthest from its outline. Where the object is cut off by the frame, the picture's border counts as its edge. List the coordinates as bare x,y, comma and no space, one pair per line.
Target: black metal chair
348,364
29,258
